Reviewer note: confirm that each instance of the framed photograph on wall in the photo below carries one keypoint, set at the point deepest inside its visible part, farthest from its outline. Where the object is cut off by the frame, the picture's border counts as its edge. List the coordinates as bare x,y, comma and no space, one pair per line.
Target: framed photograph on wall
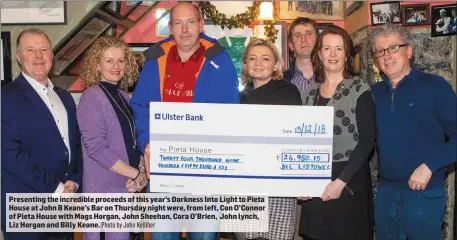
444,20
6,58
351,6
162,20
317,10
235,40
137,50
322,26
144,3
415,14
25,12
385,12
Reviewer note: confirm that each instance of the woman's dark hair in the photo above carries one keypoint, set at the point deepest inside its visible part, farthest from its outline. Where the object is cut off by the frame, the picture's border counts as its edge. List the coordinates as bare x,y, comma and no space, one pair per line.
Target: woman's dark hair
349,52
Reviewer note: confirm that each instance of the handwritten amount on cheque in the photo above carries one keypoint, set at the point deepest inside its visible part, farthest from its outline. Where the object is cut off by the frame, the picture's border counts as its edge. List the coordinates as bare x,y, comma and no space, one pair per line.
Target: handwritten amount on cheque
197,159
186,162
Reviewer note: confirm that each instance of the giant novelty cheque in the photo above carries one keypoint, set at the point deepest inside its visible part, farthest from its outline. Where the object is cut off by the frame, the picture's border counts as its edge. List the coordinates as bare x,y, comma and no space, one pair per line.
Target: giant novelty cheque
240,149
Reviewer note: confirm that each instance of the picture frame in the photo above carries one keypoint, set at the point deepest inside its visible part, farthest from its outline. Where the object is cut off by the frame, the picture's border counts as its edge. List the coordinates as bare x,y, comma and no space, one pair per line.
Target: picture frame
415,14
6,58
441,16
33,12
317,10
163,18
78,43
134,2
322,26
241,36
351,6
385,12
137,50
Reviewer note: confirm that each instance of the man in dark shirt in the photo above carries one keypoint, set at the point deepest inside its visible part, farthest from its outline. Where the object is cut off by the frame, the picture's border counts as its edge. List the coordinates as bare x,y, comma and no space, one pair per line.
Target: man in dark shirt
415,112
302,38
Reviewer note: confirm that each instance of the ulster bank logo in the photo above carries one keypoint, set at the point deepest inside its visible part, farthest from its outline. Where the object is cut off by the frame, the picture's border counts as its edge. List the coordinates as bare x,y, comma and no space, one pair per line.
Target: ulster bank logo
178,117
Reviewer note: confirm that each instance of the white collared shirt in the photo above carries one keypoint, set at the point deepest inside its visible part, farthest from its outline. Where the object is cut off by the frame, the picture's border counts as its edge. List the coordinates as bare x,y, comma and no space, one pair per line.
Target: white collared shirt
58,112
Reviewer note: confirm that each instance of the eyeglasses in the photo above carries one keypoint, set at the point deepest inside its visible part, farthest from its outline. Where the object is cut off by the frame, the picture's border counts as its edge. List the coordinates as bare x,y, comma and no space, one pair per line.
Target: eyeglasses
391,49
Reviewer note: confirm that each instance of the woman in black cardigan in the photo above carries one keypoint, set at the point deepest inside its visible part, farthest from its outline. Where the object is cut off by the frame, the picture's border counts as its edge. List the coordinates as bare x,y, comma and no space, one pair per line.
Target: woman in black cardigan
262,75
263,79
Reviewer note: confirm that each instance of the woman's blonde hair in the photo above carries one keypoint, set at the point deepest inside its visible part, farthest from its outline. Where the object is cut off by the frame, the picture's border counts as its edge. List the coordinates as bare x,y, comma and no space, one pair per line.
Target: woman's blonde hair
89,73
277,75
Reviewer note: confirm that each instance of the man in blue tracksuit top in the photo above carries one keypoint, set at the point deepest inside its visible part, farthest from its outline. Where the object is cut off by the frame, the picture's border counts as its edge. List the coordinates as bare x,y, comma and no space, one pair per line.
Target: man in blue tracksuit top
416,124
187,67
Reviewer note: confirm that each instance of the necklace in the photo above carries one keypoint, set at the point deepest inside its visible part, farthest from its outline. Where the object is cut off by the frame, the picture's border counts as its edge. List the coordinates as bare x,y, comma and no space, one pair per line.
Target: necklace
131,125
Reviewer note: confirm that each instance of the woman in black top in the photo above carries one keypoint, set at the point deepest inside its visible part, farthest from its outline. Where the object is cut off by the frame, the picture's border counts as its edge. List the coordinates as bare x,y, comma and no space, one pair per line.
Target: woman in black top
345,209
262,75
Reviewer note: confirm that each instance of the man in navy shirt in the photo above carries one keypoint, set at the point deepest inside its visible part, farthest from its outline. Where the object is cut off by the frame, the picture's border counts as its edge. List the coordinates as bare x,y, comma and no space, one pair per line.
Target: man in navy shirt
416,124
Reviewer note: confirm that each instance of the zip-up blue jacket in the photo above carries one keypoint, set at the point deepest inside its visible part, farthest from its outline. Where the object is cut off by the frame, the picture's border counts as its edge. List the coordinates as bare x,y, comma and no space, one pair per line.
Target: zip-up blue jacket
217,81
416,123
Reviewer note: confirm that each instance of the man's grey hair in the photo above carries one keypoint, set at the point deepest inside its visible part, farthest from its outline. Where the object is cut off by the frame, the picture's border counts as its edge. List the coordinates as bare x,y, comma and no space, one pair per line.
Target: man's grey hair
35,31
391,29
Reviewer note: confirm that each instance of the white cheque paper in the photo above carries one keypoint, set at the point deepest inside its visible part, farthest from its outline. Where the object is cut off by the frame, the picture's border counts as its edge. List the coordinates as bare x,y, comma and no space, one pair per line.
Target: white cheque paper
240,149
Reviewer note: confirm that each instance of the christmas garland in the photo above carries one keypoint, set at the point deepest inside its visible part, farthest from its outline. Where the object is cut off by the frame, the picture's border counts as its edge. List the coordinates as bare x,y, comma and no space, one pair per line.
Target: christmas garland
248,18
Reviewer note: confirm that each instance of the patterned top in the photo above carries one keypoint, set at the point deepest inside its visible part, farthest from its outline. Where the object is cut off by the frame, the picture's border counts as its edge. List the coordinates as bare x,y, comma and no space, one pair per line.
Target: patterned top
300,81
344,101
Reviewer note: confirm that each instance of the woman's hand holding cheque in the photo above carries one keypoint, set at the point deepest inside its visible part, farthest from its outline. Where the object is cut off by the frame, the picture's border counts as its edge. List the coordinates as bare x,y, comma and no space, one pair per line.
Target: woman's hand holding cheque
331,192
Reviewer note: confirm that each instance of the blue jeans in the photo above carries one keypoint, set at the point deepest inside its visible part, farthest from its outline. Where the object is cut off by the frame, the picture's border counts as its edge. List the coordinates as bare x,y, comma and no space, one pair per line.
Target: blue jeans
402,213
177,236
